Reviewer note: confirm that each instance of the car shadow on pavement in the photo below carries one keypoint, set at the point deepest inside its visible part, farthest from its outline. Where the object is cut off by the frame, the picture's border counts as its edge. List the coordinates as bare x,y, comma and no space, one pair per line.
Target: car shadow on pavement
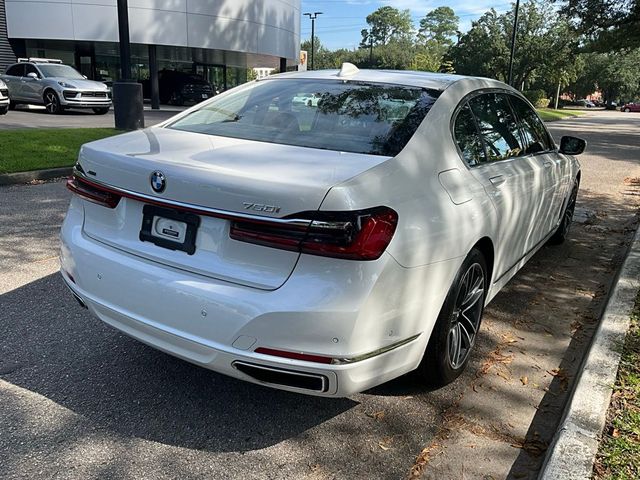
43,111
53,347
574,282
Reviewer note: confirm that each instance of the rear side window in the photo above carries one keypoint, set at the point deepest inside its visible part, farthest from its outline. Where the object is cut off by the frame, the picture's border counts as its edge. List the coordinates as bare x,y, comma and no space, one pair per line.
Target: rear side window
498,126
370,118
16,71
468,138
535,134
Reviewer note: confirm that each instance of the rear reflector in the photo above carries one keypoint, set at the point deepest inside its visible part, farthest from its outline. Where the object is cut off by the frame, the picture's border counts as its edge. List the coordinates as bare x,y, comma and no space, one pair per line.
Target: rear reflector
294,355
357,235
92,192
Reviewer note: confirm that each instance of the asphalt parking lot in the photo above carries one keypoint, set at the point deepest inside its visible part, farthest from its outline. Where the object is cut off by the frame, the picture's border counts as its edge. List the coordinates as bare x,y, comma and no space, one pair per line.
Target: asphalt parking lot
37,117
81,400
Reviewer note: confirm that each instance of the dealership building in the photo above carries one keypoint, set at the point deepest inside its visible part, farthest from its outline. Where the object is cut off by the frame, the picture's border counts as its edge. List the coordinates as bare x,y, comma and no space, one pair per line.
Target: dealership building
216,39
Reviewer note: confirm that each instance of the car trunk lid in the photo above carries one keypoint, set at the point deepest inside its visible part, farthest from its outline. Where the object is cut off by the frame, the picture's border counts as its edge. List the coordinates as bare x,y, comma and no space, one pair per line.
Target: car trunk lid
205,173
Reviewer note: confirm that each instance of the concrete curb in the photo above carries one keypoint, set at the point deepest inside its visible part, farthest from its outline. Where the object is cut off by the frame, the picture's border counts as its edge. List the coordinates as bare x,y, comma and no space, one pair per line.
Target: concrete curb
26,177
575,444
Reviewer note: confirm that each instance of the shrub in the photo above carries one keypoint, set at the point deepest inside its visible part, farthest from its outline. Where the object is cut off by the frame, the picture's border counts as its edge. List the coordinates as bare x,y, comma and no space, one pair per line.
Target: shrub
543,103
534,96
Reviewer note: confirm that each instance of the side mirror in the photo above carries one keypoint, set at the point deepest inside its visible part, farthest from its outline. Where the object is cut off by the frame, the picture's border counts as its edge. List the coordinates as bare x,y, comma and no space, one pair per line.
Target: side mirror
33,75
572,145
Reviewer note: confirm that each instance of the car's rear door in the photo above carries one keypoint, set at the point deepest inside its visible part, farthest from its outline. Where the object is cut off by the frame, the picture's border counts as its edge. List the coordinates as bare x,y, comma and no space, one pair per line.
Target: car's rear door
555,170
13,79
513,180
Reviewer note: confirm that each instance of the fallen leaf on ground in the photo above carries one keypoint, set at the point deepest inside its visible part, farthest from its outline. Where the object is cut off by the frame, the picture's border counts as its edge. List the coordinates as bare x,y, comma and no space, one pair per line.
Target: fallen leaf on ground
376,415
524,380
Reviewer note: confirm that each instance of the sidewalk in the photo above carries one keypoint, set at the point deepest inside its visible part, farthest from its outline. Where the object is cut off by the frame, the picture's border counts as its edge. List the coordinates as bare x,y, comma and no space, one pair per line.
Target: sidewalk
574,448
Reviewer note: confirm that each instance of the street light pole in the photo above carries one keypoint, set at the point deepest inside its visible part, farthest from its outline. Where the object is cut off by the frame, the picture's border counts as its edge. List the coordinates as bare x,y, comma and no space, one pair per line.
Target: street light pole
127,93
513,42
313,17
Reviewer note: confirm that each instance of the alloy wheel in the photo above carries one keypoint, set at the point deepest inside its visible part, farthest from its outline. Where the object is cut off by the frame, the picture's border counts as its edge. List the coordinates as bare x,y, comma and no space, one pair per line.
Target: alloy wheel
568,212
466,316
51,102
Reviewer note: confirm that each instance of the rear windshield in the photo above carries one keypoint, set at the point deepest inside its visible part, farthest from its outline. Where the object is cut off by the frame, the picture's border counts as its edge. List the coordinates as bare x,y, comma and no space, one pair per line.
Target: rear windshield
377,119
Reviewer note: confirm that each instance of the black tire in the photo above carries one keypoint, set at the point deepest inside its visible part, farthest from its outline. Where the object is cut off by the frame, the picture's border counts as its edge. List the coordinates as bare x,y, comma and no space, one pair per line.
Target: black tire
101,110
177,99
12,105
52,102
4,109
560,235
457,325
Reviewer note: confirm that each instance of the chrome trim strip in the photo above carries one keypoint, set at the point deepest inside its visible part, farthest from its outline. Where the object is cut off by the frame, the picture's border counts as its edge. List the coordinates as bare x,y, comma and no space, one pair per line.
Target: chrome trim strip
375,353
214,212
322,378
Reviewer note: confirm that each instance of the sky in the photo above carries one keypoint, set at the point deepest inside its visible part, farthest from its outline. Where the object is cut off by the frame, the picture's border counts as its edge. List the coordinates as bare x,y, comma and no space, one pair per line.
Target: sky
341,20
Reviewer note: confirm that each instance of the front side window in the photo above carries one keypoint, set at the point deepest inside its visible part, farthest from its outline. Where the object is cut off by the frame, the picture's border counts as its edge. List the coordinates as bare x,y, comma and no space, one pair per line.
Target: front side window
58,70
16,70
377,119
498,126
30,69
535,134
468,138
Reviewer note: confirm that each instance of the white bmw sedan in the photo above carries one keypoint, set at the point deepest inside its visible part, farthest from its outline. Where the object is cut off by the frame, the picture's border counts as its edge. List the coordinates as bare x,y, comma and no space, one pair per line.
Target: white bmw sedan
321,248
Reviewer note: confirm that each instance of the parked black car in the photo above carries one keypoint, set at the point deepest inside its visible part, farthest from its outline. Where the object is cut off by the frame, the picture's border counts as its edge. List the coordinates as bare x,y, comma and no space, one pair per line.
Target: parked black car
179,88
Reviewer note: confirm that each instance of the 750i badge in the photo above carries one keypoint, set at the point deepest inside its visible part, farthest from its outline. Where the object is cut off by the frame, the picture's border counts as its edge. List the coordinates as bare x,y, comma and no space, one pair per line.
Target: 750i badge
260,207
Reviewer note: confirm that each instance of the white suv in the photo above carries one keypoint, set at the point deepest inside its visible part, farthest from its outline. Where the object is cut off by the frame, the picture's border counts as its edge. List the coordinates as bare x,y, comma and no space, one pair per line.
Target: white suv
4,98
42,81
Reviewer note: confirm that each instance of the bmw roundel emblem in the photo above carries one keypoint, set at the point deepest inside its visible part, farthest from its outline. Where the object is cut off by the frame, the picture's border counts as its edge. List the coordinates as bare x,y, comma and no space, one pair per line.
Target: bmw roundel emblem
158,181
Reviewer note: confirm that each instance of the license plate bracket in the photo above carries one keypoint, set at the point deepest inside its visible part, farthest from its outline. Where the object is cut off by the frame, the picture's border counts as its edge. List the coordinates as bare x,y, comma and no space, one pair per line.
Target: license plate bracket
169,228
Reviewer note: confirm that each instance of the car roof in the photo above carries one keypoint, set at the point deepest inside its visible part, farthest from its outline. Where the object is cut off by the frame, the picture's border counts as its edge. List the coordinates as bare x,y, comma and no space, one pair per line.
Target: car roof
429,80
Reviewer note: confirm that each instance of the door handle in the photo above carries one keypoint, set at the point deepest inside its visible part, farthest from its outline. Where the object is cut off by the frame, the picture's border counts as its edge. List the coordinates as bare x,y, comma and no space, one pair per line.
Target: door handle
497,180
548,164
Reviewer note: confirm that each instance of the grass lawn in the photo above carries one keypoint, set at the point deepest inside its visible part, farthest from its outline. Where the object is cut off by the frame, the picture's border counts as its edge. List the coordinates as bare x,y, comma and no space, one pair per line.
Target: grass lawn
619,455
34,149
549,114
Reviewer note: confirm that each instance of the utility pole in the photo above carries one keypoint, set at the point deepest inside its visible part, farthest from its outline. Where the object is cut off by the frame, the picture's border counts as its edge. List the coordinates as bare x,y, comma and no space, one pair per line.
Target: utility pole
513,42
127,93
312,17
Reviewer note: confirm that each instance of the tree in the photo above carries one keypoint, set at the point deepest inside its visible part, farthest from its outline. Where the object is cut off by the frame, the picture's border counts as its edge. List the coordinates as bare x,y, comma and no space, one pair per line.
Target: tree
609,24
322,56
439,26
544,45
387,24
616,75
483,50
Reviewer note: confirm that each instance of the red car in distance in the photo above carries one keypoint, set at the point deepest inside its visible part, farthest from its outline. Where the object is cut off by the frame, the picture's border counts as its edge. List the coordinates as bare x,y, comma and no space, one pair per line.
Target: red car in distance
630,107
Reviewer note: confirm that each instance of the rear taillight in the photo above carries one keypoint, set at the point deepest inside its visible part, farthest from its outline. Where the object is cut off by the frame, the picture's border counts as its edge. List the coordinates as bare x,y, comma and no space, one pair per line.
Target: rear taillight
93,192
358,235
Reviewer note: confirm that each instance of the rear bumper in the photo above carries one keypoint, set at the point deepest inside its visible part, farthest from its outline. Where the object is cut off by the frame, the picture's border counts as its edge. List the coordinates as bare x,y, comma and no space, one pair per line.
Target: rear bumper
333,380
218,325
